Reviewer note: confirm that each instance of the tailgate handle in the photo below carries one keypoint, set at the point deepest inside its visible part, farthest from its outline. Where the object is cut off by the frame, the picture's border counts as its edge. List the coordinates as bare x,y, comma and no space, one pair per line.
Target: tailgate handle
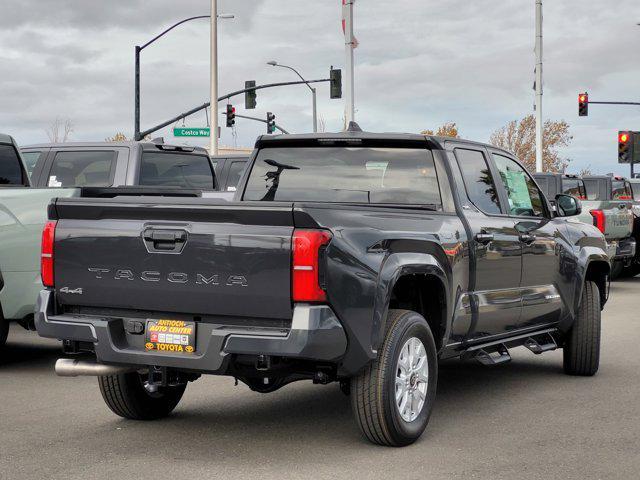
165,240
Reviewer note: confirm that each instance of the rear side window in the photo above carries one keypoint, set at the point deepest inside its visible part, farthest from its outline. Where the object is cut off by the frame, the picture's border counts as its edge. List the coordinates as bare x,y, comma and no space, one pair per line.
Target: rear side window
404,176
176,170
635,188
478,180
82,169
235,172
10,168
574,187
31,160
621,190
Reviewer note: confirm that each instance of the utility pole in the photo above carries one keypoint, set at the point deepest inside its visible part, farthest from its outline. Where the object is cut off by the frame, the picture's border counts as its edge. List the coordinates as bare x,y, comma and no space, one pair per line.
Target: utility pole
539,122
214,78
350,44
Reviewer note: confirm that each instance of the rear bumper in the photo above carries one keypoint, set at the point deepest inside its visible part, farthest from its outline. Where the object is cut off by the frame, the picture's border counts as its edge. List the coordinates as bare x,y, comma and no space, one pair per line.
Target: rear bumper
626,249
315,334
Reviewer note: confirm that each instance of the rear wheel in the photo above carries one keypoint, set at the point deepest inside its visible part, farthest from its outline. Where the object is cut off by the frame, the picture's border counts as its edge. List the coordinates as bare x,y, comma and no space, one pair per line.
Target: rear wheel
392,397
128,396
4,329
582,346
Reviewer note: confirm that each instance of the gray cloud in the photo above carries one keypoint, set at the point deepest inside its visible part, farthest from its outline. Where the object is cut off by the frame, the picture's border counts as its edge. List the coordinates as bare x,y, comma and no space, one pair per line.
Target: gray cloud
420,63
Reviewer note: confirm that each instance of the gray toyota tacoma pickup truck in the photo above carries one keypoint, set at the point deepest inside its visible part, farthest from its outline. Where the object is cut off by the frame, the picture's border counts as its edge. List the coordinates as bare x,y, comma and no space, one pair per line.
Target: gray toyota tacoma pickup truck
355,257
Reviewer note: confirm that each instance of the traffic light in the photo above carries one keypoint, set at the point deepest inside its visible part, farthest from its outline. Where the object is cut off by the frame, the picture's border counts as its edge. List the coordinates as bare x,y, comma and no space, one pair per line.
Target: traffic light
583,104
231,115
271,122
625,147
335,75
250,95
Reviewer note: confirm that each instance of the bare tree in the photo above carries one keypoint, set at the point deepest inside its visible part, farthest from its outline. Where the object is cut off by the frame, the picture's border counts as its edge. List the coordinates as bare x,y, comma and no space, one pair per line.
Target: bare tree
322,124
449,129
60,130
585,171
519,137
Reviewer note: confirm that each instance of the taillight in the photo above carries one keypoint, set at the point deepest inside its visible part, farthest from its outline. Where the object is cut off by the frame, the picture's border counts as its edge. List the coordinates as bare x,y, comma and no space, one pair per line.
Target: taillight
598,219
46,254
305,268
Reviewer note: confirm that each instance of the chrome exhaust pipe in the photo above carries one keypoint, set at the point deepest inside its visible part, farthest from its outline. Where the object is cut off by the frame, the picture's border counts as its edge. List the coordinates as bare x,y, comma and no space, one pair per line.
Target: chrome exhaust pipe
70,367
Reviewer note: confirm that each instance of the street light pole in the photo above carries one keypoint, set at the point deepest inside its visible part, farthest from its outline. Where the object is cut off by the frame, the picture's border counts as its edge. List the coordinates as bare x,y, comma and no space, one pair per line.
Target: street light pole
214,79
539,86
273,63
136,133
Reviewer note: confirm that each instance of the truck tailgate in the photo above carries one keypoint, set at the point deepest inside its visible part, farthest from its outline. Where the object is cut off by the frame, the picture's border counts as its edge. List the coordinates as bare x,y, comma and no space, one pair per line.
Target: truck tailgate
618,217
190,256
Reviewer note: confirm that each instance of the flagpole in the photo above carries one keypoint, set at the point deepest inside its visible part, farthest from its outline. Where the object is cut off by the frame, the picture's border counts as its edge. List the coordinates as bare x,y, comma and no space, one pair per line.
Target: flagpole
539,87
349,112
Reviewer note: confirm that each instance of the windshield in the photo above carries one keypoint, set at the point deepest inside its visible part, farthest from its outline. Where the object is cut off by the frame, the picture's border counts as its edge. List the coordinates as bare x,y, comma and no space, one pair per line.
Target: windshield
176,170
574,187
362,175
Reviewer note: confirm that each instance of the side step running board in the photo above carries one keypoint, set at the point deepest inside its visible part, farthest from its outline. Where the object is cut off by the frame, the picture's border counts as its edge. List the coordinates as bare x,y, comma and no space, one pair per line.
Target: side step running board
541,343
490,358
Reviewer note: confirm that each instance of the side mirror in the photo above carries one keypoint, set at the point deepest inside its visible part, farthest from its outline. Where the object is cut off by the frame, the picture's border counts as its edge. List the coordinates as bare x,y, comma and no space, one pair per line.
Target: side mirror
568,206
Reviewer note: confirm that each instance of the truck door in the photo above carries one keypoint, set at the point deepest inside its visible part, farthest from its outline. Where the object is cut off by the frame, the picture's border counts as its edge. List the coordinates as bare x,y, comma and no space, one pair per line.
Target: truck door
495,299
541,302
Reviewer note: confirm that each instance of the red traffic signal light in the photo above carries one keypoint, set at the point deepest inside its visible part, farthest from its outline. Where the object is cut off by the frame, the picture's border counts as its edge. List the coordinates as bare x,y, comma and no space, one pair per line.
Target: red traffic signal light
231,115
583,104
623,137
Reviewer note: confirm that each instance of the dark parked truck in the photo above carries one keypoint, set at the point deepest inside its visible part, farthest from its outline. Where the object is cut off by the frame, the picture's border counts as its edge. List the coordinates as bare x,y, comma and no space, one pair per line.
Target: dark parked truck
358,258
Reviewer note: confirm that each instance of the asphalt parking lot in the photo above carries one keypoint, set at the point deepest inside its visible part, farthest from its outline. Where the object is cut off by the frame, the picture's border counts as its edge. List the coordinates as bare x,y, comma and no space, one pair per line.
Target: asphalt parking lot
525,419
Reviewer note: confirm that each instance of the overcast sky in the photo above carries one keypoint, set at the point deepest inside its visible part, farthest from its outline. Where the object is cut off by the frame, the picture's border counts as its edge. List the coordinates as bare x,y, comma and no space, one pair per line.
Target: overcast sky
420,63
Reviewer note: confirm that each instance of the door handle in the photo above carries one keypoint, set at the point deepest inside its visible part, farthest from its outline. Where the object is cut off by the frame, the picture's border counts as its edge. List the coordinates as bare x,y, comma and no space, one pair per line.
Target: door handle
484,238
527,238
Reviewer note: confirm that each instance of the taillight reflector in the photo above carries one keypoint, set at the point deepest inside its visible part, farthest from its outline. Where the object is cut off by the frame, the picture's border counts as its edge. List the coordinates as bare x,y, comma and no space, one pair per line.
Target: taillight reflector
598,219
46,254
306,245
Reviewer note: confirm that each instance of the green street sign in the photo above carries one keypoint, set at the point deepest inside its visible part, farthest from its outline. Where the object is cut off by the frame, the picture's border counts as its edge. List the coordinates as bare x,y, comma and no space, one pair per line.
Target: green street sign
190,132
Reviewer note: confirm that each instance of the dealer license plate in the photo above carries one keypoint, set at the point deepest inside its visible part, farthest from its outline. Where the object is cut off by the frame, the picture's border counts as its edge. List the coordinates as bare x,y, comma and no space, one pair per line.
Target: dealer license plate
172,336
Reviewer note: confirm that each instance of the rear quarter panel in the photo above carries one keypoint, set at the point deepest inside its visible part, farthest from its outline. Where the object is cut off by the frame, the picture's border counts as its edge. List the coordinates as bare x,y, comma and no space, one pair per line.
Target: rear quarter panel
370,248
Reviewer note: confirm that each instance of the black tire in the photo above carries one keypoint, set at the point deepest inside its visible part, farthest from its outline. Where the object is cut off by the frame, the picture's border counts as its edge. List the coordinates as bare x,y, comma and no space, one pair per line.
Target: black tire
127,397
581,354
4,330
616,270
373,391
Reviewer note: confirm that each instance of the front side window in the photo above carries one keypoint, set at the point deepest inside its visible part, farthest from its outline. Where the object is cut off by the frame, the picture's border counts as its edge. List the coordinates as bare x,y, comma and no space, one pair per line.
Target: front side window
10,167
525,199
358,175
176,170
478,180
574,187
621,190
82,169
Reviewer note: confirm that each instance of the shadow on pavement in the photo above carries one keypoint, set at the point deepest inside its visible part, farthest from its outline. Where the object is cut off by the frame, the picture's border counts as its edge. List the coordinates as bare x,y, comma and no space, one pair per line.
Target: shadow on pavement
321,415
26,349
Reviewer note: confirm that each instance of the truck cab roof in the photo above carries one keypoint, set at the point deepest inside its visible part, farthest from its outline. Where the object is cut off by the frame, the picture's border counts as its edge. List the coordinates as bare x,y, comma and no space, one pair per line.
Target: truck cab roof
360,137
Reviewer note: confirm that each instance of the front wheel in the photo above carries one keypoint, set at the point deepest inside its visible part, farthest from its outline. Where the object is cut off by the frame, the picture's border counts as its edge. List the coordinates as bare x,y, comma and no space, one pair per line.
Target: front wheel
392,397
128,396
581,355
